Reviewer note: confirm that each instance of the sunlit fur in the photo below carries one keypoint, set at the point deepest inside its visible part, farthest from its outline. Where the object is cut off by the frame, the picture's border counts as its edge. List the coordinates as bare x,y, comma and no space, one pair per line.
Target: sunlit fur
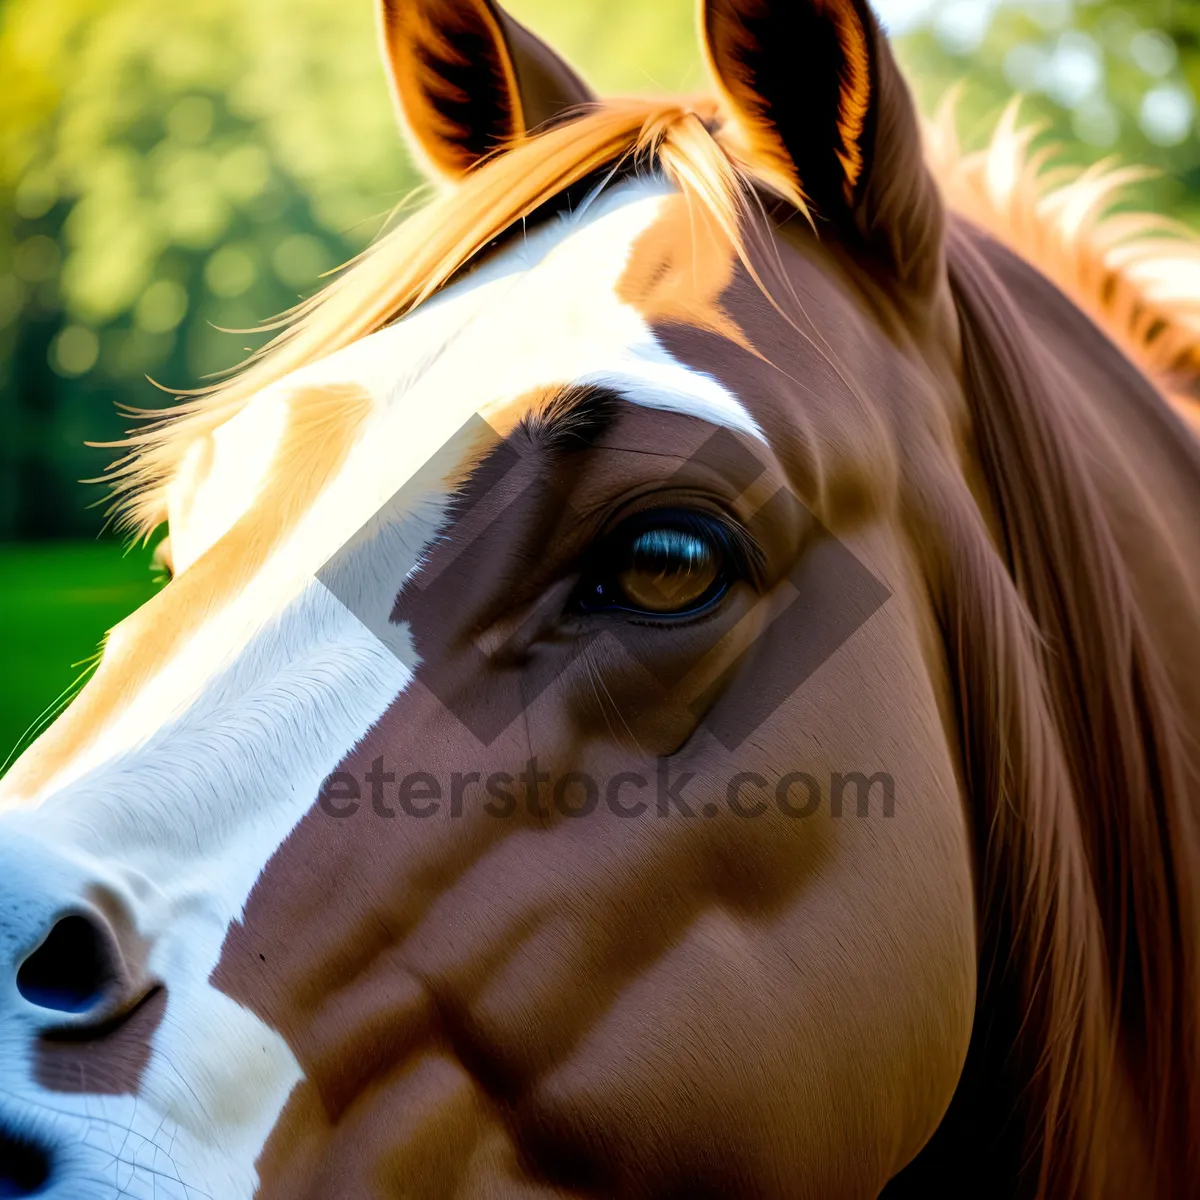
1137,274
418,258
855,99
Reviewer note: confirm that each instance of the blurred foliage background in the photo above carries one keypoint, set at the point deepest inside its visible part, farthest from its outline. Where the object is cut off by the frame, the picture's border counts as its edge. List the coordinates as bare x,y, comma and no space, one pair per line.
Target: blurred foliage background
169,172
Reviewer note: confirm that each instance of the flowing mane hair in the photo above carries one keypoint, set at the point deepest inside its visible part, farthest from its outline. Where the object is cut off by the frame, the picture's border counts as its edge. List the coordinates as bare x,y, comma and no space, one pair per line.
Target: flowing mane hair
1072,750
1087,849
1136,274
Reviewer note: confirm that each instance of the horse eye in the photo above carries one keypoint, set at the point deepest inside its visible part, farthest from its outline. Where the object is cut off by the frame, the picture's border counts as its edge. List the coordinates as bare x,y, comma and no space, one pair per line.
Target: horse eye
660,567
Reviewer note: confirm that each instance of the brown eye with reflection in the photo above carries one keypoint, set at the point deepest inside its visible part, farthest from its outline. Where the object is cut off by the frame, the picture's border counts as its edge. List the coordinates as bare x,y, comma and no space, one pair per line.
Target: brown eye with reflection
660,565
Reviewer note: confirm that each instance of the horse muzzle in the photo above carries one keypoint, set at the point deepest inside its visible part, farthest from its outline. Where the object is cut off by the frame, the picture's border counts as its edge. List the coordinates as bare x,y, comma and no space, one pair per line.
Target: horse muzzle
77,1007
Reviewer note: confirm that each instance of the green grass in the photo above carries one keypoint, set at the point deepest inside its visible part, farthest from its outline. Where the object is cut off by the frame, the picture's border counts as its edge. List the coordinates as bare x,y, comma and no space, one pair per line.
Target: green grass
57,601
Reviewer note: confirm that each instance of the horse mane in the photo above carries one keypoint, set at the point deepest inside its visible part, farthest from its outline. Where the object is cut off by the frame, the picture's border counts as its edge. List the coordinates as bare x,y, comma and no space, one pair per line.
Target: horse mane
1082,1078
1090,849
1136,274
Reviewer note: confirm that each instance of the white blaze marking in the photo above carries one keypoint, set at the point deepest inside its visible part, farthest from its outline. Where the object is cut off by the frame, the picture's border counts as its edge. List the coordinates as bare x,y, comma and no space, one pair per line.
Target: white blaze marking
233,466
195,783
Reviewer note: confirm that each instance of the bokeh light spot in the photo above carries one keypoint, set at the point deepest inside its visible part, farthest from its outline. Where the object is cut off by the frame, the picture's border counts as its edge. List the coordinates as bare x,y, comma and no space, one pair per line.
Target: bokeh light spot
35,195
1166,114
244,173
191,119
161,306
230,272
1095,121
961,25
1076,69
300,259
74,350
1153,52
37,258
1027,67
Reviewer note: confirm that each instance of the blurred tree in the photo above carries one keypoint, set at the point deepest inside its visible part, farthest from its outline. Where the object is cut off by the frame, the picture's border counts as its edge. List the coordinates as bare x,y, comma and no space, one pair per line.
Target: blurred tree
1104,78
169,171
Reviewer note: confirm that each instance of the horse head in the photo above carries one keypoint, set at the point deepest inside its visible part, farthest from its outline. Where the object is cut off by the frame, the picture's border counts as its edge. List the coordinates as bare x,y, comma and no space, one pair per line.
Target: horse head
598,738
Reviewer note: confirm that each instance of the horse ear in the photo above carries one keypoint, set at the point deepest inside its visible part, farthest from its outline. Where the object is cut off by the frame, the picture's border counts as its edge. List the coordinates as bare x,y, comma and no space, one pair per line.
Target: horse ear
814,89
467,78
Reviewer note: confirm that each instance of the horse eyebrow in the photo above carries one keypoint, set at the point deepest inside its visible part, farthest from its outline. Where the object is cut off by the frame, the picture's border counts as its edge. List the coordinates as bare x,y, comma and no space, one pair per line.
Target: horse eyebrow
572,418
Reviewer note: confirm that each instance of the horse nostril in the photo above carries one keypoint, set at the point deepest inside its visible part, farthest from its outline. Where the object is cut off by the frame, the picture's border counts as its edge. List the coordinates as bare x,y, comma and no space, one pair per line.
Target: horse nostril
71,970
24,1167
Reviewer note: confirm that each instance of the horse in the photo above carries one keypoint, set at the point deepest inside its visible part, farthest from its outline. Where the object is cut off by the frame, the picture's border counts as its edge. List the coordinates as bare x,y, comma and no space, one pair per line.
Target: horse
680,677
